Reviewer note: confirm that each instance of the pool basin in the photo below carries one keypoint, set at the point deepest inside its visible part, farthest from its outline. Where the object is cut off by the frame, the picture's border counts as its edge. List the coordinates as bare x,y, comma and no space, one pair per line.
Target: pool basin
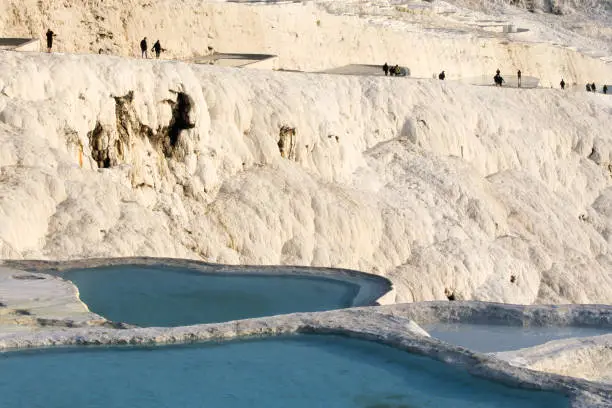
300,371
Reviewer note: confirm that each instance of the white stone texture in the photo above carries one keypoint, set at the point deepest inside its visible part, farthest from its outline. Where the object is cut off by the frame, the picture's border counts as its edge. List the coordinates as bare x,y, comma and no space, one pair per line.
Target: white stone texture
483,193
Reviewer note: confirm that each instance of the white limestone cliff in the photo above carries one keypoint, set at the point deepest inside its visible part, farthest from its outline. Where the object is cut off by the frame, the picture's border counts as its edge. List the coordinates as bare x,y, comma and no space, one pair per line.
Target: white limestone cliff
447,189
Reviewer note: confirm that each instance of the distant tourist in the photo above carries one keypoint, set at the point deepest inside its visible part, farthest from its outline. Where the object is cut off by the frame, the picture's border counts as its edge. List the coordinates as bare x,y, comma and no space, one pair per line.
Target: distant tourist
386,69
588,87
50,35
442,75
562,83
143,48
396,70
519,77
498,79
605,89
593,88
157,48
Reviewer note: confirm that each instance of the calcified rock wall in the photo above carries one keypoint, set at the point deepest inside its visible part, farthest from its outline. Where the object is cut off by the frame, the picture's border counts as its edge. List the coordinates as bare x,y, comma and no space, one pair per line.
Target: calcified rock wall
481,193
303,35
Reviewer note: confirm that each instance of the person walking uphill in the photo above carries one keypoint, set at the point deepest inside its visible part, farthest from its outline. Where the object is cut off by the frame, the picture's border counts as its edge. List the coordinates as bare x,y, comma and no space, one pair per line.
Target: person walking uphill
157,48
50,34
518,74
562,83
143,48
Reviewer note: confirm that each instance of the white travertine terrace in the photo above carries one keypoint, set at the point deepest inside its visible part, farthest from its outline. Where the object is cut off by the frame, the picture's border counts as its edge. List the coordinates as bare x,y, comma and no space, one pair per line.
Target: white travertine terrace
66,321
446,189
511,206
365,323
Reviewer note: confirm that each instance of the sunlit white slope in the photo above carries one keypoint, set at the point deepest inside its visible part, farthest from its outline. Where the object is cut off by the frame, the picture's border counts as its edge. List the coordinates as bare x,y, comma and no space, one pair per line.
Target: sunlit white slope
486,193
318,35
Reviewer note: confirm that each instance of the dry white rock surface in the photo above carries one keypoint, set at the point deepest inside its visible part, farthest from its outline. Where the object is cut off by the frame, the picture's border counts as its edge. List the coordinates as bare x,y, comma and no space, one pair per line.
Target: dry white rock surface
33,301
426,37
589,358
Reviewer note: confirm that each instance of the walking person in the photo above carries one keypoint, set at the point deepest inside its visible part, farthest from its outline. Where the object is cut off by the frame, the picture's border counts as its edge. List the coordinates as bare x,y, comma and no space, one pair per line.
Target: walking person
157,48
605,89
143,48
386,69
593,87
50,34
519,77
562,83
442,76
588,87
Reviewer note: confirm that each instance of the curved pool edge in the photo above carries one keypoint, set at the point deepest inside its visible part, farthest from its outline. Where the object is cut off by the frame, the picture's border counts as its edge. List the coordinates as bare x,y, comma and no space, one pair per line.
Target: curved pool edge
373,289
364,323
491,313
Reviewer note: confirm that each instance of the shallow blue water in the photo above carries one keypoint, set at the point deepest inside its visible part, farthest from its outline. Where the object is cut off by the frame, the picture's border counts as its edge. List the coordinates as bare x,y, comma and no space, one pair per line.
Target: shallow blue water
167,296
493,338
296,372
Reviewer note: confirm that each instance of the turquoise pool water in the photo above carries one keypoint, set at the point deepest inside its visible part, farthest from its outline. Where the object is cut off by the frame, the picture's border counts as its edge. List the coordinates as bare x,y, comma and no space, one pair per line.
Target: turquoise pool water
168,296
493,338
297,372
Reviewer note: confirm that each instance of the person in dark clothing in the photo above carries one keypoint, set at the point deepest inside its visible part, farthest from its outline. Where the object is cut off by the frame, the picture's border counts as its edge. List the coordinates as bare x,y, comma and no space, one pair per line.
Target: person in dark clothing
498,80
605,89
50,35
386,69
157,48
143,48
593,87
519,77
562,83
442,76
588,87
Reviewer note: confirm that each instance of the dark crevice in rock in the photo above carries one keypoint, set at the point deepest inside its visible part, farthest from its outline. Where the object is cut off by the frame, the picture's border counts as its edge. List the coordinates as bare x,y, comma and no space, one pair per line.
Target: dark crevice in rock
28,277
180,117
99,151
110,147
286,142
450,294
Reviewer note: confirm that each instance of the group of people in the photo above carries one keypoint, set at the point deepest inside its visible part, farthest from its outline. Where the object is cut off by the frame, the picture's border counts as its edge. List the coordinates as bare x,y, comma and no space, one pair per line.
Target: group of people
393,71
157,48
593,88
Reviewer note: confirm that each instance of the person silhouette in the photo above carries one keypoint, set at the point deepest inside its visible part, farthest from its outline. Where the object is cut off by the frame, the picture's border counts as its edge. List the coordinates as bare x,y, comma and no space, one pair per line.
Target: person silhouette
562,83
50,34
442,76
518,74
157,48
143,48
